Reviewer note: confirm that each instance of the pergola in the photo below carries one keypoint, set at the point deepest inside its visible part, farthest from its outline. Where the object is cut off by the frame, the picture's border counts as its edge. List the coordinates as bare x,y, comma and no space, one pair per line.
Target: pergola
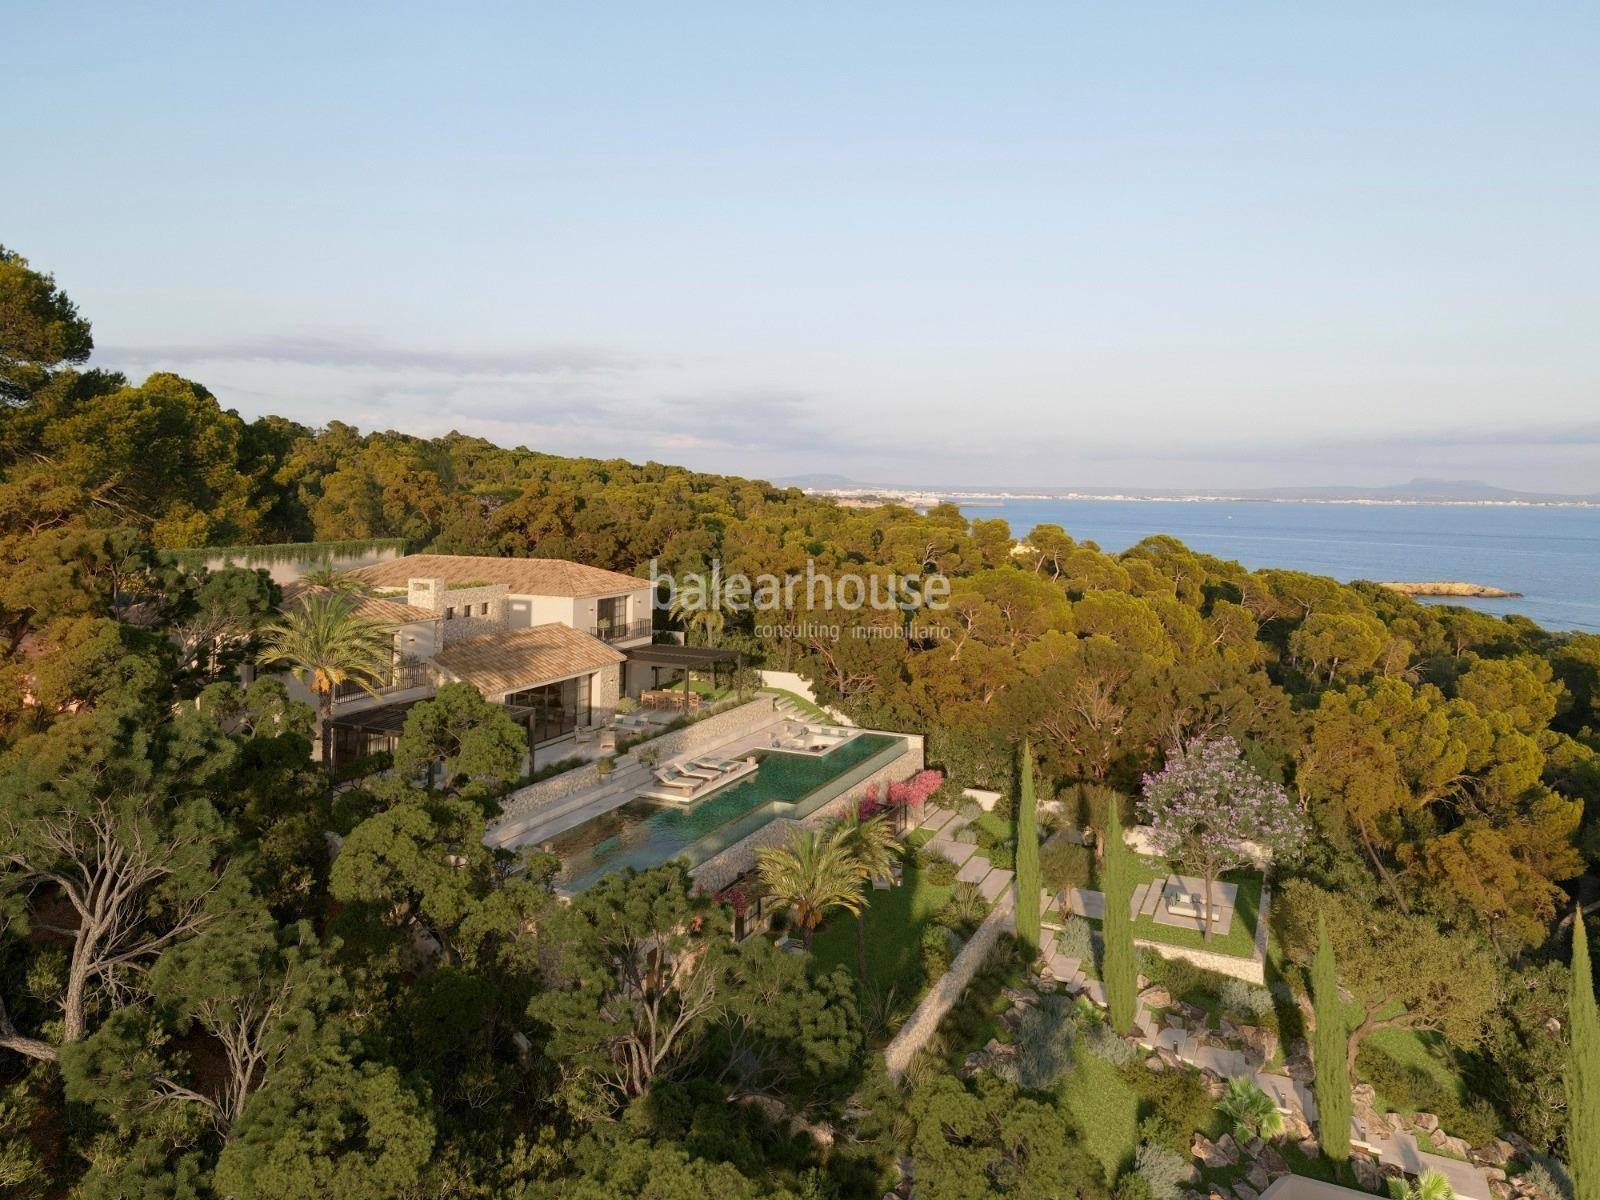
389,720
685,659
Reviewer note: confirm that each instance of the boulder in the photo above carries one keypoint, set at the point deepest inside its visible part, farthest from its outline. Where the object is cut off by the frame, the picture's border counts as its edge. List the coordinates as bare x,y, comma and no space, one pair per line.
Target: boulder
1245,1192
1456,1147
1154,1063
1362,1098
1425,1121
1258,1176
1296,1127
1217,1154
1273,1162
1253,1147
1156,997
1308,1146
1367,1173
1497,1153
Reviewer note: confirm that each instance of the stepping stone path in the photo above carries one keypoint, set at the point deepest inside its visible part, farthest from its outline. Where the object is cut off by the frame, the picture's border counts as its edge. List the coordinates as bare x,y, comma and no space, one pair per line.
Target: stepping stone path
972,867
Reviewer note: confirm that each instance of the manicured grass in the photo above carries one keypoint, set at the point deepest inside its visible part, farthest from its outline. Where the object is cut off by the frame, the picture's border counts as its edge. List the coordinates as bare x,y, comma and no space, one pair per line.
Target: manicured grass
1423,1053
800,702
896,918
1239,940
1105,1108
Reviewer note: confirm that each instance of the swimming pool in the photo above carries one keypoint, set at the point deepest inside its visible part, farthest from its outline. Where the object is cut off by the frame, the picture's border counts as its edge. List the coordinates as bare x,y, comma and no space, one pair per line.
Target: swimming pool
644,834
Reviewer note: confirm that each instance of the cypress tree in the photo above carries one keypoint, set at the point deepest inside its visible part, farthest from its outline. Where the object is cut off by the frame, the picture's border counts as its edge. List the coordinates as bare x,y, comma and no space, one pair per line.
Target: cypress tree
1583,1071
1328,1052
1120,966
1027,854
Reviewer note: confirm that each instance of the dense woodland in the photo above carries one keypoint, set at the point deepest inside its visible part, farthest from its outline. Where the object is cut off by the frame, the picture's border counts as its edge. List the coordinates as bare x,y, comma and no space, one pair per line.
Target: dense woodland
197,1002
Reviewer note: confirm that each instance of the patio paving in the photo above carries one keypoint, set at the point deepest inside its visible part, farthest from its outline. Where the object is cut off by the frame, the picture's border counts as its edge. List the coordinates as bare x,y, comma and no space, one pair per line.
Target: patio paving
974,869
994,883
935,818
956,852
1223,898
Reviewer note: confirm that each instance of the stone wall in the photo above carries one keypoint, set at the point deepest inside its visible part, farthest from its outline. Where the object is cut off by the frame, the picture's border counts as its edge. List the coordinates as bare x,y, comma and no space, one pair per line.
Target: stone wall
1251,970
946,991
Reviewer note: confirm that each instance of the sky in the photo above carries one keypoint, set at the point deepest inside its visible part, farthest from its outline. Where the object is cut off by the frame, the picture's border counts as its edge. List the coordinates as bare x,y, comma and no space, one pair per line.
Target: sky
1158,245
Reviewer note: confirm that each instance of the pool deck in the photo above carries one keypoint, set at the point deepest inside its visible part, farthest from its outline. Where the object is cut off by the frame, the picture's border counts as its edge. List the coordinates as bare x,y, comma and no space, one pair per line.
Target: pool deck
634,780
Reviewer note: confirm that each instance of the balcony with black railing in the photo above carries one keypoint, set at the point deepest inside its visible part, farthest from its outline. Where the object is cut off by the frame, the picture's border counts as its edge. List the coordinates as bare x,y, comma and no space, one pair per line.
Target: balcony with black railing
622,631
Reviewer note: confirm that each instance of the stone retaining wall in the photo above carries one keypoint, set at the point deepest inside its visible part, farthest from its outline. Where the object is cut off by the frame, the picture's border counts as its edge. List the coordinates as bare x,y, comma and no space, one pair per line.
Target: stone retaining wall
946,991
1251,970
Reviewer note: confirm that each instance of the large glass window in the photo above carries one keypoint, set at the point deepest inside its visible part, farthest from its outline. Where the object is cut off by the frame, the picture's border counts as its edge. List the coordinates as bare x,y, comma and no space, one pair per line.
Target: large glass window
611,616
558,708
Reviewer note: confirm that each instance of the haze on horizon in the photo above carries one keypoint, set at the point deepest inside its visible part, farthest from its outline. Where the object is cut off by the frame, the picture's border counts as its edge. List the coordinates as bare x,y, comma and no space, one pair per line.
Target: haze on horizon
1247,246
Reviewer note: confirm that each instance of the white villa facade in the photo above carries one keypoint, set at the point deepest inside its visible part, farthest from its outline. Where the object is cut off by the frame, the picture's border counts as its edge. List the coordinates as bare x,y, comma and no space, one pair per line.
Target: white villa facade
544,637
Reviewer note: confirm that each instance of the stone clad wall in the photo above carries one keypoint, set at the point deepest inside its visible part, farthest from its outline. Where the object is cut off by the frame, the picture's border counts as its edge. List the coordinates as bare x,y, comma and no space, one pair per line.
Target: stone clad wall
1250,970
946,991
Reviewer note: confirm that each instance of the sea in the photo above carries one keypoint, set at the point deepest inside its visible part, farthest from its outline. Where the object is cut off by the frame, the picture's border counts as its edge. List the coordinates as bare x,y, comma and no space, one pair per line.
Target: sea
1550,554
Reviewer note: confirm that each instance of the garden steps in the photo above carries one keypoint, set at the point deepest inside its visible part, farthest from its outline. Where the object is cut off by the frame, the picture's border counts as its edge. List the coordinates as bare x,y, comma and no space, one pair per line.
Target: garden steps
956,852
974,869
1152,899
994,883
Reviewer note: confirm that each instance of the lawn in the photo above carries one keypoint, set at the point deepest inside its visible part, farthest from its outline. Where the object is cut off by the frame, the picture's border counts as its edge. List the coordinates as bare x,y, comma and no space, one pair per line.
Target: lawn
1240,940
896,918
1422,1054
806,707
1104,1107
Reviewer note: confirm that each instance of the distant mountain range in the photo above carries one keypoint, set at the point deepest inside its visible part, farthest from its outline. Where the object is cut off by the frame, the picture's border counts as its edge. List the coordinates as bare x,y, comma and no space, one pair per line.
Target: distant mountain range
1417,491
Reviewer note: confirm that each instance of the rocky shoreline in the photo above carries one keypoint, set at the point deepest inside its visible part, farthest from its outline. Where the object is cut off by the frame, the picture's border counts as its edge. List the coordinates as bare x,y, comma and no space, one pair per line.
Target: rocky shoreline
1451,587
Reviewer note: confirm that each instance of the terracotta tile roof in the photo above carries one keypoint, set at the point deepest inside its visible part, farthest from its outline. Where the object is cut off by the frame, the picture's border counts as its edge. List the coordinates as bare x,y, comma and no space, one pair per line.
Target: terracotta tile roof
372,608
506,662
522,576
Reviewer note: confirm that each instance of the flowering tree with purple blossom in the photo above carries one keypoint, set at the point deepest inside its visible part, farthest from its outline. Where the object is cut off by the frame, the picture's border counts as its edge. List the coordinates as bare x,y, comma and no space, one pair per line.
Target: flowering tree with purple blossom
1208,802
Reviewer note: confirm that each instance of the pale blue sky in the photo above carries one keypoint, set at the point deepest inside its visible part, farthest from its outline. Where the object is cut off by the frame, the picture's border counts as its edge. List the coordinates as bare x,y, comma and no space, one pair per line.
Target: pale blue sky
1174,244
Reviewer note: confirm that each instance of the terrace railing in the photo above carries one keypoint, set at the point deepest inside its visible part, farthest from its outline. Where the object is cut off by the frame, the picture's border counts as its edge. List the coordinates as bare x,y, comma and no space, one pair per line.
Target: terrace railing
622,631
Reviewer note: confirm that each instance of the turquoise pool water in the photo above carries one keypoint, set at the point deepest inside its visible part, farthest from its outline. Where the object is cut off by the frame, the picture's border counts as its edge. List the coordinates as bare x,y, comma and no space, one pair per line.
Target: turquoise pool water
645,833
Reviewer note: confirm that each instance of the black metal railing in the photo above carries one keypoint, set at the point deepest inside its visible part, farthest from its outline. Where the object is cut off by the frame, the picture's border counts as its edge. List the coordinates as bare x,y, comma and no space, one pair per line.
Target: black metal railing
621,631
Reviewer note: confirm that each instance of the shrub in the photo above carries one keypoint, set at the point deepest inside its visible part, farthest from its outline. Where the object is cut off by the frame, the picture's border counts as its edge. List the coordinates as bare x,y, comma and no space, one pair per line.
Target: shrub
1164,1170
1065,865
1043,1043
1152,966
1102,1041
1177,1097
1411,1090
936,951
970,808
1239,997
966,837
1003,857
941,871
985,837
965,909
1549,1177
1005,808
1077,940
1132,1186
1157,1130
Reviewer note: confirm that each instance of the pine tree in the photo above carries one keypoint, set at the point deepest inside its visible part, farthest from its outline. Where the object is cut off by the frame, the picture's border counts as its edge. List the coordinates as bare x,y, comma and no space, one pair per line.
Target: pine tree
1328,1052
1119,968
1583,1071
1027,855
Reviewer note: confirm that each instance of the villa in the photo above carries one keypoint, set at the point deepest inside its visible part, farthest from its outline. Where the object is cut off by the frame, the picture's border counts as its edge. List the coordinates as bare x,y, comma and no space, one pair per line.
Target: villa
557,643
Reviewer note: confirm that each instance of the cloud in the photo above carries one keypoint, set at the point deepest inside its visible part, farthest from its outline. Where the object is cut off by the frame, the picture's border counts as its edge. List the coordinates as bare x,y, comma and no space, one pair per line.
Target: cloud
357,351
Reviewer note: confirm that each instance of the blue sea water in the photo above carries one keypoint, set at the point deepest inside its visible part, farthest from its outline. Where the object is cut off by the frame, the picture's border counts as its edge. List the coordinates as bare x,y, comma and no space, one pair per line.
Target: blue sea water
1550,555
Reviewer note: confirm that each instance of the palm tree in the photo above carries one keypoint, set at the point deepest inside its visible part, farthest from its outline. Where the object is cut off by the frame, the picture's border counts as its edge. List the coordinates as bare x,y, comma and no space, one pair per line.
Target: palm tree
872,845
812,875
702,608
326,644
332,580
1250,1109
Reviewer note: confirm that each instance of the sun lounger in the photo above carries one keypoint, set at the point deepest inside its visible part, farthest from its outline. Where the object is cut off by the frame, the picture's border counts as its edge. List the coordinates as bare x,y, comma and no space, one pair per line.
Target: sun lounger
671,777
720,765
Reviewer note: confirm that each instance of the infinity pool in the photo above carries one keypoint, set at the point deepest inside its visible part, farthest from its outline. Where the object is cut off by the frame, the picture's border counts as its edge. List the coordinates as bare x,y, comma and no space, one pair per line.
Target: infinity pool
645,834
